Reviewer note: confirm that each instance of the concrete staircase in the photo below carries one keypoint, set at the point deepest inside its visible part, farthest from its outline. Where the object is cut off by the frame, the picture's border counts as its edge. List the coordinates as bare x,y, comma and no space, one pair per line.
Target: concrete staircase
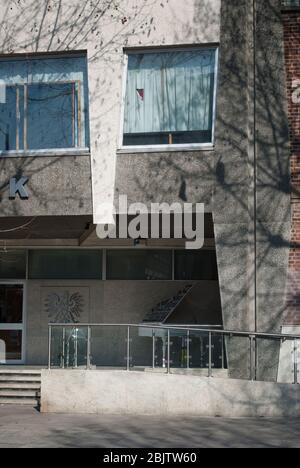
165,309
20,386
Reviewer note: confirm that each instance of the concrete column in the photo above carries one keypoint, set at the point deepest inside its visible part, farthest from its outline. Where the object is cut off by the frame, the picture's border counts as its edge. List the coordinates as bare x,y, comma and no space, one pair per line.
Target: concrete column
251,201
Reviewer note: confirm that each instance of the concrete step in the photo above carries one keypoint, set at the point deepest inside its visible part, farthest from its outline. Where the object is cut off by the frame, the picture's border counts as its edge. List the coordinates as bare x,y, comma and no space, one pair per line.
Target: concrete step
16,370
19,401
22,385
20,378
19,393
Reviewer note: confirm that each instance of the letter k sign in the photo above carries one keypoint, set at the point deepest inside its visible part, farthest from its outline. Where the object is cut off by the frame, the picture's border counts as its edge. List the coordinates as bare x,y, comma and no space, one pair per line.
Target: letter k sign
18,186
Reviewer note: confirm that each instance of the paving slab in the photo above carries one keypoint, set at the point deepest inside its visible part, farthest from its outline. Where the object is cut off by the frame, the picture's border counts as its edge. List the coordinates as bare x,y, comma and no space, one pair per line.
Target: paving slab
25,427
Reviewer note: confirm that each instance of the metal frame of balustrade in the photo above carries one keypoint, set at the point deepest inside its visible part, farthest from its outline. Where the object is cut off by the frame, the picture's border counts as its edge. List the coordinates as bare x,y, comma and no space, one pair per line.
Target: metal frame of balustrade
252,337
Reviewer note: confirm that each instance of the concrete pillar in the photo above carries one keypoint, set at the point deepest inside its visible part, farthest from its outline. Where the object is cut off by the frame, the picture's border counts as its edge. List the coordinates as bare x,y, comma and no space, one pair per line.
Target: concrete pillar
251,202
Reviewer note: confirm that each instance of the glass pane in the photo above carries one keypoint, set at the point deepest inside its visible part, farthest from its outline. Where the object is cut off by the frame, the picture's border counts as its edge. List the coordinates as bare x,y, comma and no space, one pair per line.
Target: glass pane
13,265
161,348
8,120
238,357
75,347
142,347
169,97
62,71
51,113
139,265
178,349
65,264
13,344
109,346
57,350
218,354
267,359
11,304
198,350
196,265
69,347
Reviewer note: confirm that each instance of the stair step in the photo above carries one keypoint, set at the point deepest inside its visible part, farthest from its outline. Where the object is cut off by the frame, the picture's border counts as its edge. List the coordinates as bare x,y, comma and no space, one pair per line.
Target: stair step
6,370
19,401
5,393
20,385
20,378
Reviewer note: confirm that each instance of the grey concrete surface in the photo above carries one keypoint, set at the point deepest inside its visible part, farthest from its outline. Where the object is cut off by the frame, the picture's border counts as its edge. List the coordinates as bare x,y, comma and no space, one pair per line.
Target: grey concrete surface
240,113
128,393
54,187
26,428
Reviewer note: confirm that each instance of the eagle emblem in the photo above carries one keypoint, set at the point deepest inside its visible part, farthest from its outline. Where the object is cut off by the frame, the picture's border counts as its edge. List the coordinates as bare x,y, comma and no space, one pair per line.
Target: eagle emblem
64,307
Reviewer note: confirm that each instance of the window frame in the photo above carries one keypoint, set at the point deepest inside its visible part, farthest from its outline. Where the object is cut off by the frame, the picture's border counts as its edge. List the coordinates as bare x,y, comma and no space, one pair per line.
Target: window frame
122,149
76,150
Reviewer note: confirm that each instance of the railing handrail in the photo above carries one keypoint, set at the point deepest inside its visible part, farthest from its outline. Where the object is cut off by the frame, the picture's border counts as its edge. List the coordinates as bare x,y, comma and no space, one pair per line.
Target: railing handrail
180,328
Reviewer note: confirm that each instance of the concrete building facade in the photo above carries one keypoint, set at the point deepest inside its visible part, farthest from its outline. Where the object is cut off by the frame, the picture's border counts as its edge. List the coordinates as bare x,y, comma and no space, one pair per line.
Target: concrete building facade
237,164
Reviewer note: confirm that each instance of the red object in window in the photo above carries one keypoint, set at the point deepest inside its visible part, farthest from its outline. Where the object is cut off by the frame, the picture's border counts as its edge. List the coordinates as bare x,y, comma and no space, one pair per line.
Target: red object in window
141,93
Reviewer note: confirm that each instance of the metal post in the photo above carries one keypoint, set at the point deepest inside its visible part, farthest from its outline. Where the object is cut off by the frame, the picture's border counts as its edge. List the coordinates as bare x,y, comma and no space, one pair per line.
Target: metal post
209,355
49,347
223,346
76,348
169,352
252,374
88,356
188,349
153,349
128,349
256,358
63,348
295,363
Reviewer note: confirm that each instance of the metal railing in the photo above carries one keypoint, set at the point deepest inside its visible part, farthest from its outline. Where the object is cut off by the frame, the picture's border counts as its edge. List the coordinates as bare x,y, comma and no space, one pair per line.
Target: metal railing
133,346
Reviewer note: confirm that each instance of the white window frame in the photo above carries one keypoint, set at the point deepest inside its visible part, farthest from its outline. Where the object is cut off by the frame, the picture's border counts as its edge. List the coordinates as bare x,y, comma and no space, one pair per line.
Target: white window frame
74,151
174,147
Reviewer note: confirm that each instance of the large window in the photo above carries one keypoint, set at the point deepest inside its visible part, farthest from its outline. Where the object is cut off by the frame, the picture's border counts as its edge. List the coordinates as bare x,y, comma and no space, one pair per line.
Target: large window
44,103
65,264
170,98
196,265
12,265
139,265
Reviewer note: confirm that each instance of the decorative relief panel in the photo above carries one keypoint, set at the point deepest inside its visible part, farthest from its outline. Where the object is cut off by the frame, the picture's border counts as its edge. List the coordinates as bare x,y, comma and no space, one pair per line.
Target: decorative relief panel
66,305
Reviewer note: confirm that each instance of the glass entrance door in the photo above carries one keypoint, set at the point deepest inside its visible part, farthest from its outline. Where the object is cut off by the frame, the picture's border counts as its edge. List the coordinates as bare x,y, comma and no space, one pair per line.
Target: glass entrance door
11,323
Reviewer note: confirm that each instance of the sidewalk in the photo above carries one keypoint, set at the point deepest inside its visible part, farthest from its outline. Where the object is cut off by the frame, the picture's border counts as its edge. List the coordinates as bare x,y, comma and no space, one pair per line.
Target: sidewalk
25,427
